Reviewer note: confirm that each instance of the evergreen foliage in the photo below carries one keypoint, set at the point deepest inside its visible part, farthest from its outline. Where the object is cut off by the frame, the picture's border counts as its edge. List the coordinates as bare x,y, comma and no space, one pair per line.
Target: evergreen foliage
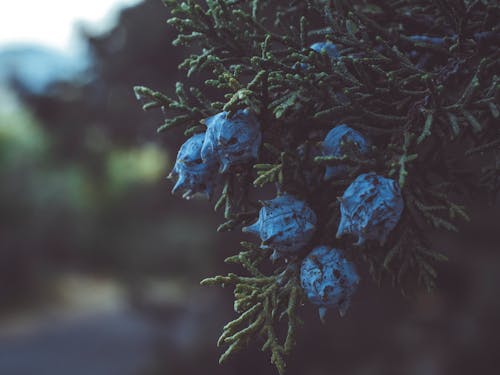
420,79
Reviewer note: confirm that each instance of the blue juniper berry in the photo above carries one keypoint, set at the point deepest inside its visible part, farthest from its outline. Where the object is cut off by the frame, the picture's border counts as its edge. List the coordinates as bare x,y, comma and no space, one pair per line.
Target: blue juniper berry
328,279
326,47
370,208
336,143
232,140
194,175
286,224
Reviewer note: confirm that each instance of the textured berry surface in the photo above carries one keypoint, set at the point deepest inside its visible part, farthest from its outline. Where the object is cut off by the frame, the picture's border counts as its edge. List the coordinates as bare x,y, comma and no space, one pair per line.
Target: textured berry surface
194,175
285,224
232,141
328,279
326,47
370,208
340,140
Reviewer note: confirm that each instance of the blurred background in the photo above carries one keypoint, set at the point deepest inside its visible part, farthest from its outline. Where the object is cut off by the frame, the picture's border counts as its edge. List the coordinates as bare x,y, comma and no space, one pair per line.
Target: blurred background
100,265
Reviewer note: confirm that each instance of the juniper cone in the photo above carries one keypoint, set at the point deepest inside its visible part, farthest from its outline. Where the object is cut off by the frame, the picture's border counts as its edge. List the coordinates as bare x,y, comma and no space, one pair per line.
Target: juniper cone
370,208
415,77
286,224
329,279
233,139
194,175
326,47
340,141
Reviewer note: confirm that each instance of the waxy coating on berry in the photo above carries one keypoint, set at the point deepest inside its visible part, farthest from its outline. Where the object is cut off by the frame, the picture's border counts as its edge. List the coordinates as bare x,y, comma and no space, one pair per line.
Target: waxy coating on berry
194,175
286,224
232,140
326,47
338,142
328,279
370,208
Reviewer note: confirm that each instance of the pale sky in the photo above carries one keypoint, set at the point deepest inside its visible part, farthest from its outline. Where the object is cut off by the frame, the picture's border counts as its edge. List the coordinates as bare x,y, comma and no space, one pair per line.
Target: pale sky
51,22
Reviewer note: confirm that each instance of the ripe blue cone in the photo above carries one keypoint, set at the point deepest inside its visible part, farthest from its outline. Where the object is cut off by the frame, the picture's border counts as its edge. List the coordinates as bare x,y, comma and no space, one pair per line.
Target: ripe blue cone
326,47
286,224
232,141
194,175
370,208
328,279
337,142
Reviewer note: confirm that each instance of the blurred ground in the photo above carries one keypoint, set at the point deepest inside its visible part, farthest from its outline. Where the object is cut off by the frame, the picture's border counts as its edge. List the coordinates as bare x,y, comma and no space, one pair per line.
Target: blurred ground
99,267
92,332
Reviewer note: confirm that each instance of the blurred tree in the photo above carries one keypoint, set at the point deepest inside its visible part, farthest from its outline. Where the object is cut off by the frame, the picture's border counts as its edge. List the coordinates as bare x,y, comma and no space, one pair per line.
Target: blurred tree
90,193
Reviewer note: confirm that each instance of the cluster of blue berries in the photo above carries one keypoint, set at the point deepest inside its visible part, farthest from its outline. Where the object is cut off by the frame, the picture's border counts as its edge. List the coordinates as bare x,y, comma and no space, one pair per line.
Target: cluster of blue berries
370,207
287,225
228,141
